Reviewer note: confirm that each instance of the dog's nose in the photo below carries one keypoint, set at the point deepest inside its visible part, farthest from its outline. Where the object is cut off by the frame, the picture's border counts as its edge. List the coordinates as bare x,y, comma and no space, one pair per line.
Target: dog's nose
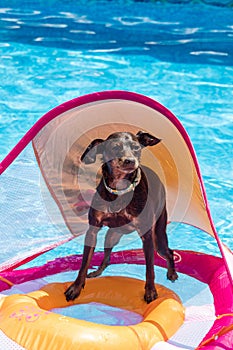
129,161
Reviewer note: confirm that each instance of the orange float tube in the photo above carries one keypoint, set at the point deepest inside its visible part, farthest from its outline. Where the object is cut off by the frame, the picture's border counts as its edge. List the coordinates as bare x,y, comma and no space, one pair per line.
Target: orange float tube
28,321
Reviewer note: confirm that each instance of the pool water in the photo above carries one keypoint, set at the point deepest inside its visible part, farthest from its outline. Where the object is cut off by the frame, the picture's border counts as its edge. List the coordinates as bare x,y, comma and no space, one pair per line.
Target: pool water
179,54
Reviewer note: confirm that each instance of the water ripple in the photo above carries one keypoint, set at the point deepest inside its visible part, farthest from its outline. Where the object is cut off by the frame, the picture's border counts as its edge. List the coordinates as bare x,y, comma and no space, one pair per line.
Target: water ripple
18,12
153,32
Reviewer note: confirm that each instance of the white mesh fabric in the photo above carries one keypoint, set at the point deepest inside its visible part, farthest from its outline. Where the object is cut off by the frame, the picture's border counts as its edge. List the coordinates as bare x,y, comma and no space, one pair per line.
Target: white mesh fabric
27,226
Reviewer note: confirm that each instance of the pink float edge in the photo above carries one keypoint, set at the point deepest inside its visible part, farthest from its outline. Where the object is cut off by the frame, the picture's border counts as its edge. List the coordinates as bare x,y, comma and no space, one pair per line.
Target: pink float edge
205,268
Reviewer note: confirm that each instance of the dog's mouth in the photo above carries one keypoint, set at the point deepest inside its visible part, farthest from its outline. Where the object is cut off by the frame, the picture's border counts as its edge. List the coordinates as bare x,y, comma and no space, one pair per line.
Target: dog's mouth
127,165
118,166
127,170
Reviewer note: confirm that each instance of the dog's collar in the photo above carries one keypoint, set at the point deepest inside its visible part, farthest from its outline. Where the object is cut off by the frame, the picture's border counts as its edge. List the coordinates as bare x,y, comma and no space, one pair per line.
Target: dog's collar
131,187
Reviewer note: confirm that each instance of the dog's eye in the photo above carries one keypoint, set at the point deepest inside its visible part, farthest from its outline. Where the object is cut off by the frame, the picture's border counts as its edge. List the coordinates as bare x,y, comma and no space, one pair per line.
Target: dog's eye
136,147
117,148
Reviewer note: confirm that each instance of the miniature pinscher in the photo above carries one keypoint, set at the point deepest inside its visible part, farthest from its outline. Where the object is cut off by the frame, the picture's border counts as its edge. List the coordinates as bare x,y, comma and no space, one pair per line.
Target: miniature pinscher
129,197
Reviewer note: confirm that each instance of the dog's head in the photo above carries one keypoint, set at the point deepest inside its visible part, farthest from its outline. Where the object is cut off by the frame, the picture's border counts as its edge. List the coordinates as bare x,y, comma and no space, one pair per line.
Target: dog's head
121,150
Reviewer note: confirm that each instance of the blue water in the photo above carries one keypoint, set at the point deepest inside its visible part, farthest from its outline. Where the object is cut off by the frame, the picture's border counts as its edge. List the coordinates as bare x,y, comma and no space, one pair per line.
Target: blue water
180,55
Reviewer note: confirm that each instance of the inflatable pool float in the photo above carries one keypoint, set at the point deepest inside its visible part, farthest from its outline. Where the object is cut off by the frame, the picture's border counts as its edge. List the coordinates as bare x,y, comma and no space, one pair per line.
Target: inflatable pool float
26,316
65,190
205,268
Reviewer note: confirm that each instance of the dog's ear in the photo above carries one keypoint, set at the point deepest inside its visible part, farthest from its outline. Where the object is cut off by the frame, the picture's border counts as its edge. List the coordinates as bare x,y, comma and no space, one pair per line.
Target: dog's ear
89,155
146,139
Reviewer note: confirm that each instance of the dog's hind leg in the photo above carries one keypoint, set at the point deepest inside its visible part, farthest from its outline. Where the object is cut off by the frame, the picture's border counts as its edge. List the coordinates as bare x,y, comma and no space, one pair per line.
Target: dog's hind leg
112,238
161,242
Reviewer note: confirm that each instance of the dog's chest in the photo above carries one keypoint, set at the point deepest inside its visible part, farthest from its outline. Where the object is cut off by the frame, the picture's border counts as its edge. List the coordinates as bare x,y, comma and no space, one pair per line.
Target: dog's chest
118,218
117,206
116,211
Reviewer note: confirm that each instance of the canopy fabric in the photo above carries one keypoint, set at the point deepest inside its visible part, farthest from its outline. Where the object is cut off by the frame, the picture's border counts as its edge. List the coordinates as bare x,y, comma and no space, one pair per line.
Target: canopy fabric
61,136
61,142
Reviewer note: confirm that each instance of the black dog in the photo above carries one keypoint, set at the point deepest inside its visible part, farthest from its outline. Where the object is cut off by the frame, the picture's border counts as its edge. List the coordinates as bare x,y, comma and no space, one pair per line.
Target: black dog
129,197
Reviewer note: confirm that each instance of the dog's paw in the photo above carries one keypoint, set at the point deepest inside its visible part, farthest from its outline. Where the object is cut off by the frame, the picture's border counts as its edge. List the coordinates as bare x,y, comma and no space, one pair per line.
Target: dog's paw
172,275
73,292
95,273
150,295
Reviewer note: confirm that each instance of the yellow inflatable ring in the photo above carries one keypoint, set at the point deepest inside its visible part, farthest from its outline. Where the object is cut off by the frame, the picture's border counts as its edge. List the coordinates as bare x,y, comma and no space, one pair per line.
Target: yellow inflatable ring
26,319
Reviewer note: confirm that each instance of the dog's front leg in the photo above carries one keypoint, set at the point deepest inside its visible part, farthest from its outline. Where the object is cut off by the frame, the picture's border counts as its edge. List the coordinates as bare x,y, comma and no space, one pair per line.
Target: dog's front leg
89,246
112,238
148,248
